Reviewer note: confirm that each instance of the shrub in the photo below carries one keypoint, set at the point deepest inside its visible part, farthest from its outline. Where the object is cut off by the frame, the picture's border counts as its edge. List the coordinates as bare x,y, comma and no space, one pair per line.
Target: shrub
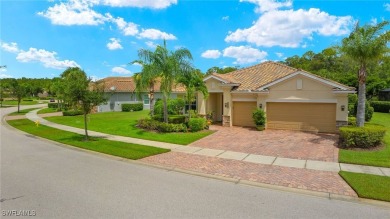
26,100
150,124
72,113
351,110
175,107
258,116
369,111
352,98
193,113
52,105
130,107
361,137
177,119
381,106
197,124
352,121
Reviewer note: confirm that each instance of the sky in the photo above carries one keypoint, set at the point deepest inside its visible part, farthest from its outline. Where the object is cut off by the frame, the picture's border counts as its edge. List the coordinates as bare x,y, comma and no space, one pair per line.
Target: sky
41,38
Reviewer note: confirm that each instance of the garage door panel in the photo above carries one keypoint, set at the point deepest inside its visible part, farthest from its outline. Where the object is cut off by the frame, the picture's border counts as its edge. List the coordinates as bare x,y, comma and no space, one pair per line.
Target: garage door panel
302,116
242,113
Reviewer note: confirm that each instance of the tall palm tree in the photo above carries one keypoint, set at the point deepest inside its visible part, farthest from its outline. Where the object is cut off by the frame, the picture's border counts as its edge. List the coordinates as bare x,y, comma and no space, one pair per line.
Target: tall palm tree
169,65
364,45
193,82
146,80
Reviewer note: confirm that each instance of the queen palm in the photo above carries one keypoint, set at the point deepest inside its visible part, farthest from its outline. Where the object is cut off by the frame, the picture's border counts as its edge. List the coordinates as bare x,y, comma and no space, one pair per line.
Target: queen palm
168,66
364,45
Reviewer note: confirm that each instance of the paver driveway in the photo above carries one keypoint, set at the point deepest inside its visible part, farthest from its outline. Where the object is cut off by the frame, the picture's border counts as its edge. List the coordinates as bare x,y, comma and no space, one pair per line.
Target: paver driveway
277,143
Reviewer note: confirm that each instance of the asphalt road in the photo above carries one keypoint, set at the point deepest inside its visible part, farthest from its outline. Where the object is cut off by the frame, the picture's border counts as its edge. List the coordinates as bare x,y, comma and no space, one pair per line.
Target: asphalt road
52,181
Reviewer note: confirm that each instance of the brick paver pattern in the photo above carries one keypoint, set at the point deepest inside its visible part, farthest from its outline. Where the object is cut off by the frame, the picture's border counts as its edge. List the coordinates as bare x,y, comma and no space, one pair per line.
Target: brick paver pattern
277,143
314,180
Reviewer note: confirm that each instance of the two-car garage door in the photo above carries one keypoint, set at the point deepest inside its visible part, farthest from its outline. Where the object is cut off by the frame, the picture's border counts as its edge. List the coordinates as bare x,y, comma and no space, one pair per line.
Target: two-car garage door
319,117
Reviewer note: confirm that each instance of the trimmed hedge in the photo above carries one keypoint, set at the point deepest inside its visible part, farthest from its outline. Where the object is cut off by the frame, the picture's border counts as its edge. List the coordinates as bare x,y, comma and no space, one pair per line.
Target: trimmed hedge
352,121
130,107
177,119
381,106
150,124
361,137
197,124
72,113
52,105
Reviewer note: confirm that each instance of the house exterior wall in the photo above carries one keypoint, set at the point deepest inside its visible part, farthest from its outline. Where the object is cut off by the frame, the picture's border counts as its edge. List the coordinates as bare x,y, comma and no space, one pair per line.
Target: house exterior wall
115,100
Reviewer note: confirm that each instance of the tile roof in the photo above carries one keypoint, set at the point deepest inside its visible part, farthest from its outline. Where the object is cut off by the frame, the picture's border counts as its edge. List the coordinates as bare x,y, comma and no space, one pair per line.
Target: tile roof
259,75
127,84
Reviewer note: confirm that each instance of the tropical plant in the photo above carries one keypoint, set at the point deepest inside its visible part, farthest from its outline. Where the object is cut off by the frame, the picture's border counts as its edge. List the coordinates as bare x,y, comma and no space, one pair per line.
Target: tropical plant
193,82
364,45
18,90
169,65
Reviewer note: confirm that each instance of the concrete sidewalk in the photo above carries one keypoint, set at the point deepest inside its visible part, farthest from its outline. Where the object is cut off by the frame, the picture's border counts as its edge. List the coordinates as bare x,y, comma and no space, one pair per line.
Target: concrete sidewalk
224,154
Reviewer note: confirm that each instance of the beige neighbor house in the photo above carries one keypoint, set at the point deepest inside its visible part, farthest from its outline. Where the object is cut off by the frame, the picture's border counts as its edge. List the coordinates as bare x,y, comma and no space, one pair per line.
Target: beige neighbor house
293,99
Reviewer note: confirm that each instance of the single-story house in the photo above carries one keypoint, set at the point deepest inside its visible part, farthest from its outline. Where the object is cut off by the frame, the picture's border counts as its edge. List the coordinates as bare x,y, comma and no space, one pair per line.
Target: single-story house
384,95
121,90
293,99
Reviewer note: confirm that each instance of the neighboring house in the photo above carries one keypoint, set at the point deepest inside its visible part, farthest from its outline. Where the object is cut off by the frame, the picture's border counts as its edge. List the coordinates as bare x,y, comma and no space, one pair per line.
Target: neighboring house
293,99
384,95
121,90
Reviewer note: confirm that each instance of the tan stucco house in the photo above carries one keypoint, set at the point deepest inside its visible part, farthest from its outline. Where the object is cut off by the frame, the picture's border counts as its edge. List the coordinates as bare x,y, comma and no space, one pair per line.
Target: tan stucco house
293,99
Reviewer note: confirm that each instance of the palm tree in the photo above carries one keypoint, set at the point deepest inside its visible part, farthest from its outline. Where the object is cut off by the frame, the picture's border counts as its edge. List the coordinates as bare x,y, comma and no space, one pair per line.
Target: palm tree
146,80
364,45
168,65
193,82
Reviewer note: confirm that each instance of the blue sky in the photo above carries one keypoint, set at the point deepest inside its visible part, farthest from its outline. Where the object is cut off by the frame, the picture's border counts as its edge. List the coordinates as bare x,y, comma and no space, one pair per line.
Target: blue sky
43,38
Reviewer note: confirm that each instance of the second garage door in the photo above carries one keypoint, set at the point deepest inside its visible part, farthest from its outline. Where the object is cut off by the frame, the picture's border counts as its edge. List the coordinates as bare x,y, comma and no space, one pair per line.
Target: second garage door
319,117
242,113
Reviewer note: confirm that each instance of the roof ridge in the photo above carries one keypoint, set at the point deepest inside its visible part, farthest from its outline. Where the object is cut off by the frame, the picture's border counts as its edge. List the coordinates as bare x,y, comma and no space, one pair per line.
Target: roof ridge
262,63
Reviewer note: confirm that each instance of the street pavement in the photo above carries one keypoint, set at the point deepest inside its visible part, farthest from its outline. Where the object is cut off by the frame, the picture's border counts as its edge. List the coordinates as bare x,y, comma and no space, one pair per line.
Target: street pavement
54,181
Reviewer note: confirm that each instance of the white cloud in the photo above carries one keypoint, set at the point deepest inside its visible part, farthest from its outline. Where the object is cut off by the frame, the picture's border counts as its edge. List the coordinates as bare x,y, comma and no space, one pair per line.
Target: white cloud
5,76
244,54
225,18
288,28
155,34
121,70
127,28
74,12
279,54
211,54
114,44
387,6
269,5
137,64
48,59
10,47
151,44
154,4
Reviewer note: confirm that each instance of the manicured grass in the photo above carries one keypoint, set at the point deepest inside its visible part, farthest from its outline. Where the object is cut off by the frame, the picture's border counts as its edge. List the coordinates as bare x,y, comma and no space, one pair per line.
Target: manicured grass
368,186
47,110
22,112
372,158
123,123
116,148
15,102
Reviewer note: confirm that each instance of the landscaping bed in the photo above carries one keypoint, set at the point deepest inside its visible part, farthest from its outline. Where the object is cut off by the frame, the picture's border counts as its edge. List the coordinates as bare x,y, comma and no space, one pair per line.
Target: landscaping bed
124,124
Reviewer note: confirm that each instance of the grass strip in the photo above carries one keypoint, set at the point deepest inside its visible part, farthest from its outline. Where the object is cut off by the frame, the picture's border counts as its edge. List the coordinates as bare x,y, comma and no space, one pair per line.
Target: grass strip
368,186
116,148
47,110
22,112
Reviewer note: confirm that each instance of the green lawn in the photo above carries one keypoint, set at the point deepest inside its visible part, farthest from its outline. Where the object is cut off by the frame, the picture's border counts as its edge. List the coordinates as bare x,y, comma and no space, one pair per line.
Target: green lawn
116,148
15,102
123,123
22,112
47,110
368,186
372,158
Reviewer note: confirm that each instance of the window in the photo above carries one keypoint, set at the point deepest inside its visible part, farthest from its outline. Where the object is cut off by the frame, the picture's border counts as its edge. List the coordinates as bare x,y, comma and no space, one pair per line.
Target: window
191,106
146,99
